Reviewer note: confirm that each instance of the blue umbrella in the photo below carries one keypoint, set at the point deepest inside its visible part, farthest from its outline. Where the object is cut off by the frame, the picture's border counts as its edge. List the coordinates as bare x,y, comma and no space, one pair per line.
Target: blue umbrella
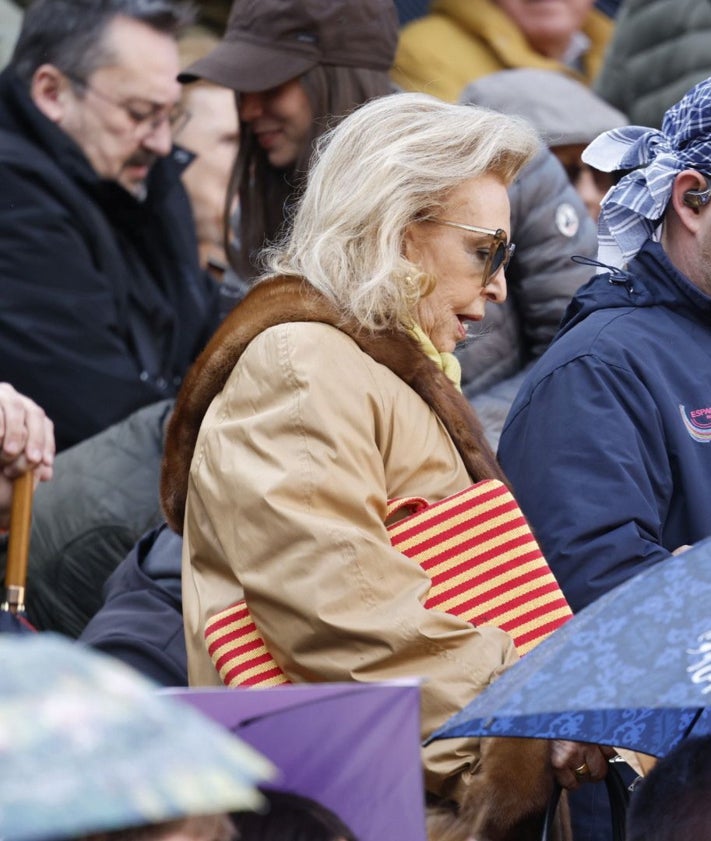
632,670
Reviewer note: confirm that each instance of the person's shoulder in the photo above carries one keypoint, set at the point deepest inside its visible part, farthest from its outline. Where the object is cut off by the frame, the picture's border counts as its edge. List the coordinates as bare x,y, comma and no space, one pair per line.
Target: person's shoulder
304,353
601,332
18,118
604,337
29,169
36,190
306,343
424,37
442,51
19,152
544,202
305,333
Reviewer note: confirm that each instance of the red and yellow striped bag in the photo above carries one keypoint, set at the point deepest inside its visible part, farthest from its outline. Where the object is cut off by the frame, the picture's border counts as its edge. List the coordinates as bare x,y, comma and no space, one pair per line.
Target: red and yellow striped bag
484,563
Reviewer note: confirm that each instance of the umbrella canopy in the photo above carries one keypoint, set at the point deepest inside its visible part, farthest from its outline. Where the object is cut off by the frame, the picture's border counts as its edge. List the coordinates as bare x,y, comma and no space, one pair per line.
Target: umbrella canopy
632,670
354,747
87,745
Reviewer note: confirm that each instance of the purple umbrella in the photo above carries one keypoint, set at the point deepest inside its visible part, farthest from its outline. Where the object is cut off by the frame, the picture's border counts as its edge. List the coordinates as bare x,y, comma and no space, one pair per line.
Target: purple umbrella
354,747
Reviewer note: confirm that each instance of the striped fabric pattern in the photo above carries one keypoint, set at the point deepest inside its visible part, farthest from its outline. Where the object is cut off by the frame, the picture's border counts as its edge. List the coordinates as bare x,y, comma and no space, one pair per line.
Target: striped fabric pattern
484,562
631,210
237,650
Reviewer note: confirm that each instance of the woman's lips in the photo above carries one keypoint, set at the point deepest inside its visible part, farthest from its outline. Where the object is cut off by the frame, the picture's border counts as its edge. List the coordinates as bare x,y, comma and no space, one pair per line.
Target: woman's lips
464,321
267,139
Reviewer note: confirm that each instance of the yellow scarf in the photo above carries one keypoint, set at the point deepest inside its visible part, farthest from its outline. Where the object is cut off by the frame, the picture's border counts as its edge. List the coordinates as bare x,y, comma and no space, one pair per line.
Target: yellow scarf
446,362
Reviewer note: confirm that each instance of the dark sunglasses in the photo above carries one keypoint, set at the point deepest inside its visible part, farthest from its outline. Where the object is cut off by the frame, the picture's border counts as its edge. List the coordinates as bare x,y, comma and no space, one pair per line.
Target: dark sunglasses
500,250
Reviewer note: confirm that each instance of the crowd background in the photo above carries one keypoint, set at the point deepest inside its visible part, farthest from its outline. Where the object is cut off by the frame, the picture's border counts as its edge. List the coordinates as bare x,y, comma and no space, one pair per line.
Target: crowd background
104,565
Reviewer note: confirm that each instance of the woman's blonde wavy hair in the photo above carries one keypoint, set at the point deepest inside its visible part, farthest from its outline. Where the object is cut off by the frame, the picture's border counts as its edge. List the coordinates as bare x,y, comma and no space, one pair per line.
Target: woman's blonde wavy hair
392,162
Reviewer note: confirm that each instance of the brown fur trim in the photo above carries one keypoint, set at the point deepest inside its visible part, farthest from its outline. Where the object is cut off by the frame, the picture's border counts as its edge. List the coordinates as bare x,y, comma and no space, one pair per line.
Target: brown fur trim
508,795
283,300
506,798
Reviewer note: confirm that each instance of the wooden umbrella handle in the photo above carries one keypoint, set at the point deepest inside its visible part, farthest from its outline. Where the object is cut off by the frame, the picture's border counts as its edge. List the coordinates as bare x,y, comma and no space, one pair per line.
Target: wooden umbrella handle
18,547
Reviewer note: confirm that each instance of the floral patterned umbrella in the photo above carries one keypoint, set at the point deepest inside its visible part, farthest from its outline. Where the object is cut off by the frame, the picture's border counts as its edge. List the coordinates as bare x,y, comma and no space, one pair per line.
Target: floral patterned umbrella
88,745
633,669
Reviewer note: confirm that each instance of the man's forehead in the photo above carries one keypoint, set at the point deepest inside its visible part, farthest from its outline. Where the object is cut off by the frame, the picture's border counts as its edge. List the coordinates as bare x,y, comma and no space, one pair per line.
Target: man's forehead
141,62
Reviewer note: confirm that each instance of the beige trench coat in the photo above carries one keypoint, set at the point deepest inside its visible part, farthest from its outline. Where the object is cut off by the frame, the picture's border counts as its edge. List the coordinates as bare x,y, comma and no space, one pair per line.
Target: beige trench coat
294,463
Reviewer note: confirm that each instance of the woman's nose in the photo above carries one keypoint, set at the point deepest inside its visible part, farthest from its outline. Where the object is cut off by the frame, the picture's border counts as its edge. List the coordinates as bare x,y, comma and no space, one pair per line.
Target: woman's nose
495,289
251,106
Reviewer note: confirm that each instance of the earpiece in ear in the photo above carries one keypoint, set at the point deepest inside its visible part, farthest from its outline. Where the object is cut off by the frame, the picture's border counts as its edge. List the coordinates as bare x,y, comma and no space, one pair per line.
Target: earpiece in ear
697,198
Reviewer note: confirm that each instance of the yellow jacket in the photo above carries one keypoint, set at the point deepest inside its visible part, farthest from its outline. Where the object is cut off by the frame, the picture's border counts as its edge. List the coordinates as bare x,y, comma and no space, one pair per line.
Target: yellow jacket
461,40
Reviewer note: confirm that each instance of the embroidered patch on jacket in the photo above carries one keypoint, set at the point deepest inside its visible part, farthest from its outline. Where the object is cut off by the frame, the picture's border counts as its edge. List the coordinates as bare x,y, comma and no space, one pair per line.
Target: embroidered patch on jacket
697,423
567,220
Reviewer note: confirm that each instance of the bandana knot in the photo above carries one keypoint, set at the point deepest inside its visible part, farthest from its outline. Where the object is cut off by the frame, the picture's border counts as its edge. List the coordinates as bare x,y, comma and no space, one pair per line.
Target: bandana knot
632,209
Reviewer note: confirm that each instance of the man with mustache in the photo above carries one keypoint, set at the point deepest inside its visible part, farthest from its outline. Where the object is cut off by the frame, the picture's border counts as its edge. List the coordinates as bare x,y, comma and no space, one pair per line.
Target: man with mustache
103,305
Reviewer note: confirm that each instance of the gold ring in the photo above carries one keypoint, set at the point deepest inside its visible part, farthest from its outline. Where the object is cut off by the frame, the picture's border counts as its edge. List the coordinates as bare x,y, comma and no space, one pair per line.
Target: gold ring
581,770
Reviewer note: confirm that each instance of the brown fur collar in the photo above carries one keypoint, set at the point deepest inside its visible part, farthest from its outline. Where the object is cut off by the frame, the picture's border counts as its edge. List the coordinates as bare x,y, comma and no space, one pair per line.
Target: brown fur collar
283,300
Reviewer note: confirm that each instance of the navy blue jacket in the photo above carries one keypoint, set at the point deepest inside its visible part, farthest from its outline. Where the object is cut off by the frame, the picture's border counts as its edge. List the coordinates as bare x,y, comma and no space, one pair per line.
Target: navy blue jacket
141,621
608,443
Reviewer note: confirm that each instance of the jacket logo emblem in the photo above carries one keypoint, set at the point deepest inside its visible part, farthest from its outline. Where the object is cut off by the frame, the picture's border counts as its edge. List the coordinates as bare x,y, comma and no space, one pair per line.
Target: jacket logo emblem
567,220
697,423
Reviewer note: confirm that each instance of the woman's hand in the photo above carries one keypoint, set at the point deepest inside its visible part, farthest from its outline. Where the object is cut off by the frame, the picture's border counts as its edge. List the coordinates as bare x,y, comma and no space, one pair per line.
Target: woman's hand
26,443
575,763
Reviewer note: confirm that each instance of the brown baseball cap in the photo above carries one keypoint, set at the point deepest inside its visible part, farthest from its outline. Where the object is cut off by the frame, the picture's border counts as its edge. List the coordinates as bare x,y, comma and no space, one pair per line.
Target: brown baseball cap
269,42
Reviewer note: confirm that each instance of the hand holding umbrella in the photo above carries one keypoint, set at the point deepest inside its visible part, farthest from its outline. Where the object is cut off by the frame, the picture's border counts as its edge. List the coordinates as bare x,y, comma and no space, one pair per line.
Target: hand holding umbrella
575,763
26,443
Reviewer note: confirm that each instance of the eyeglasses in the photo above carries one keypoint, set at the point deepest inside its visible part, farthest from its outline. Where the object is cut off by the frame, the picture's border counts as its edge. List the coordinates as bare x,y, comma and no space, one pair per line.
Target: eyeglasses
145,120
499,253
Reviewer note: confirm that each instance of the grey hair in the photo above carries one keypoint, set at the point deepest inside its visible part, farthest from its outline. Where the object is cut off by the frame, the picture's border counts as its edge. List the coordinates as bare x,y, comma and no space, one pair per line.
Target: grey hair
392,162
70,33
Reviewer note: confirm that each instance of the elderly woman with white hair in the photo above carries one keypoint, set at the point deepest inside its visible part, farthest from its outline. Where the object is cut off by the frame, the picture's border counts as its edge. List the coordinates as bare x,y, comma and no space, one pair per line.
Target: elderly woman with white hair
332,389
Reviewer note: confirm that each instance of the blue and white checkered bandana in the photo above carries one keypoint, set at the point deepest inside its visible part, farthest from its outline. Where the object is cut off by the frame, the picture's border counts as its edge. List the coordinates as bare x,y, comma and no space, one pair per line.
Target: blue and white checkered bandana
632,209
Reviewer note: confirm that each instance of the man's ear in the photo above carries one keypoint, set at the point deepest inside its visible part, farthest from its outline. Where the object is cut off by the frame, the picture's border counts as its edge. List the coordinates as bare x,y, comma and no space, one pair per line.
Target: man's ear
48,89
690,194
689,199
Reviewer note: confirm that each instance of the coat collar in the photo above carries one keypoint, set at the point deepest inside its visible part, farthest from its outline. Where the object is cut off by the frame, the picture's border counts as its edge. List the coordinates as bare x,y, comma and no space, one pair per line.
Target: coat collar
281,300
